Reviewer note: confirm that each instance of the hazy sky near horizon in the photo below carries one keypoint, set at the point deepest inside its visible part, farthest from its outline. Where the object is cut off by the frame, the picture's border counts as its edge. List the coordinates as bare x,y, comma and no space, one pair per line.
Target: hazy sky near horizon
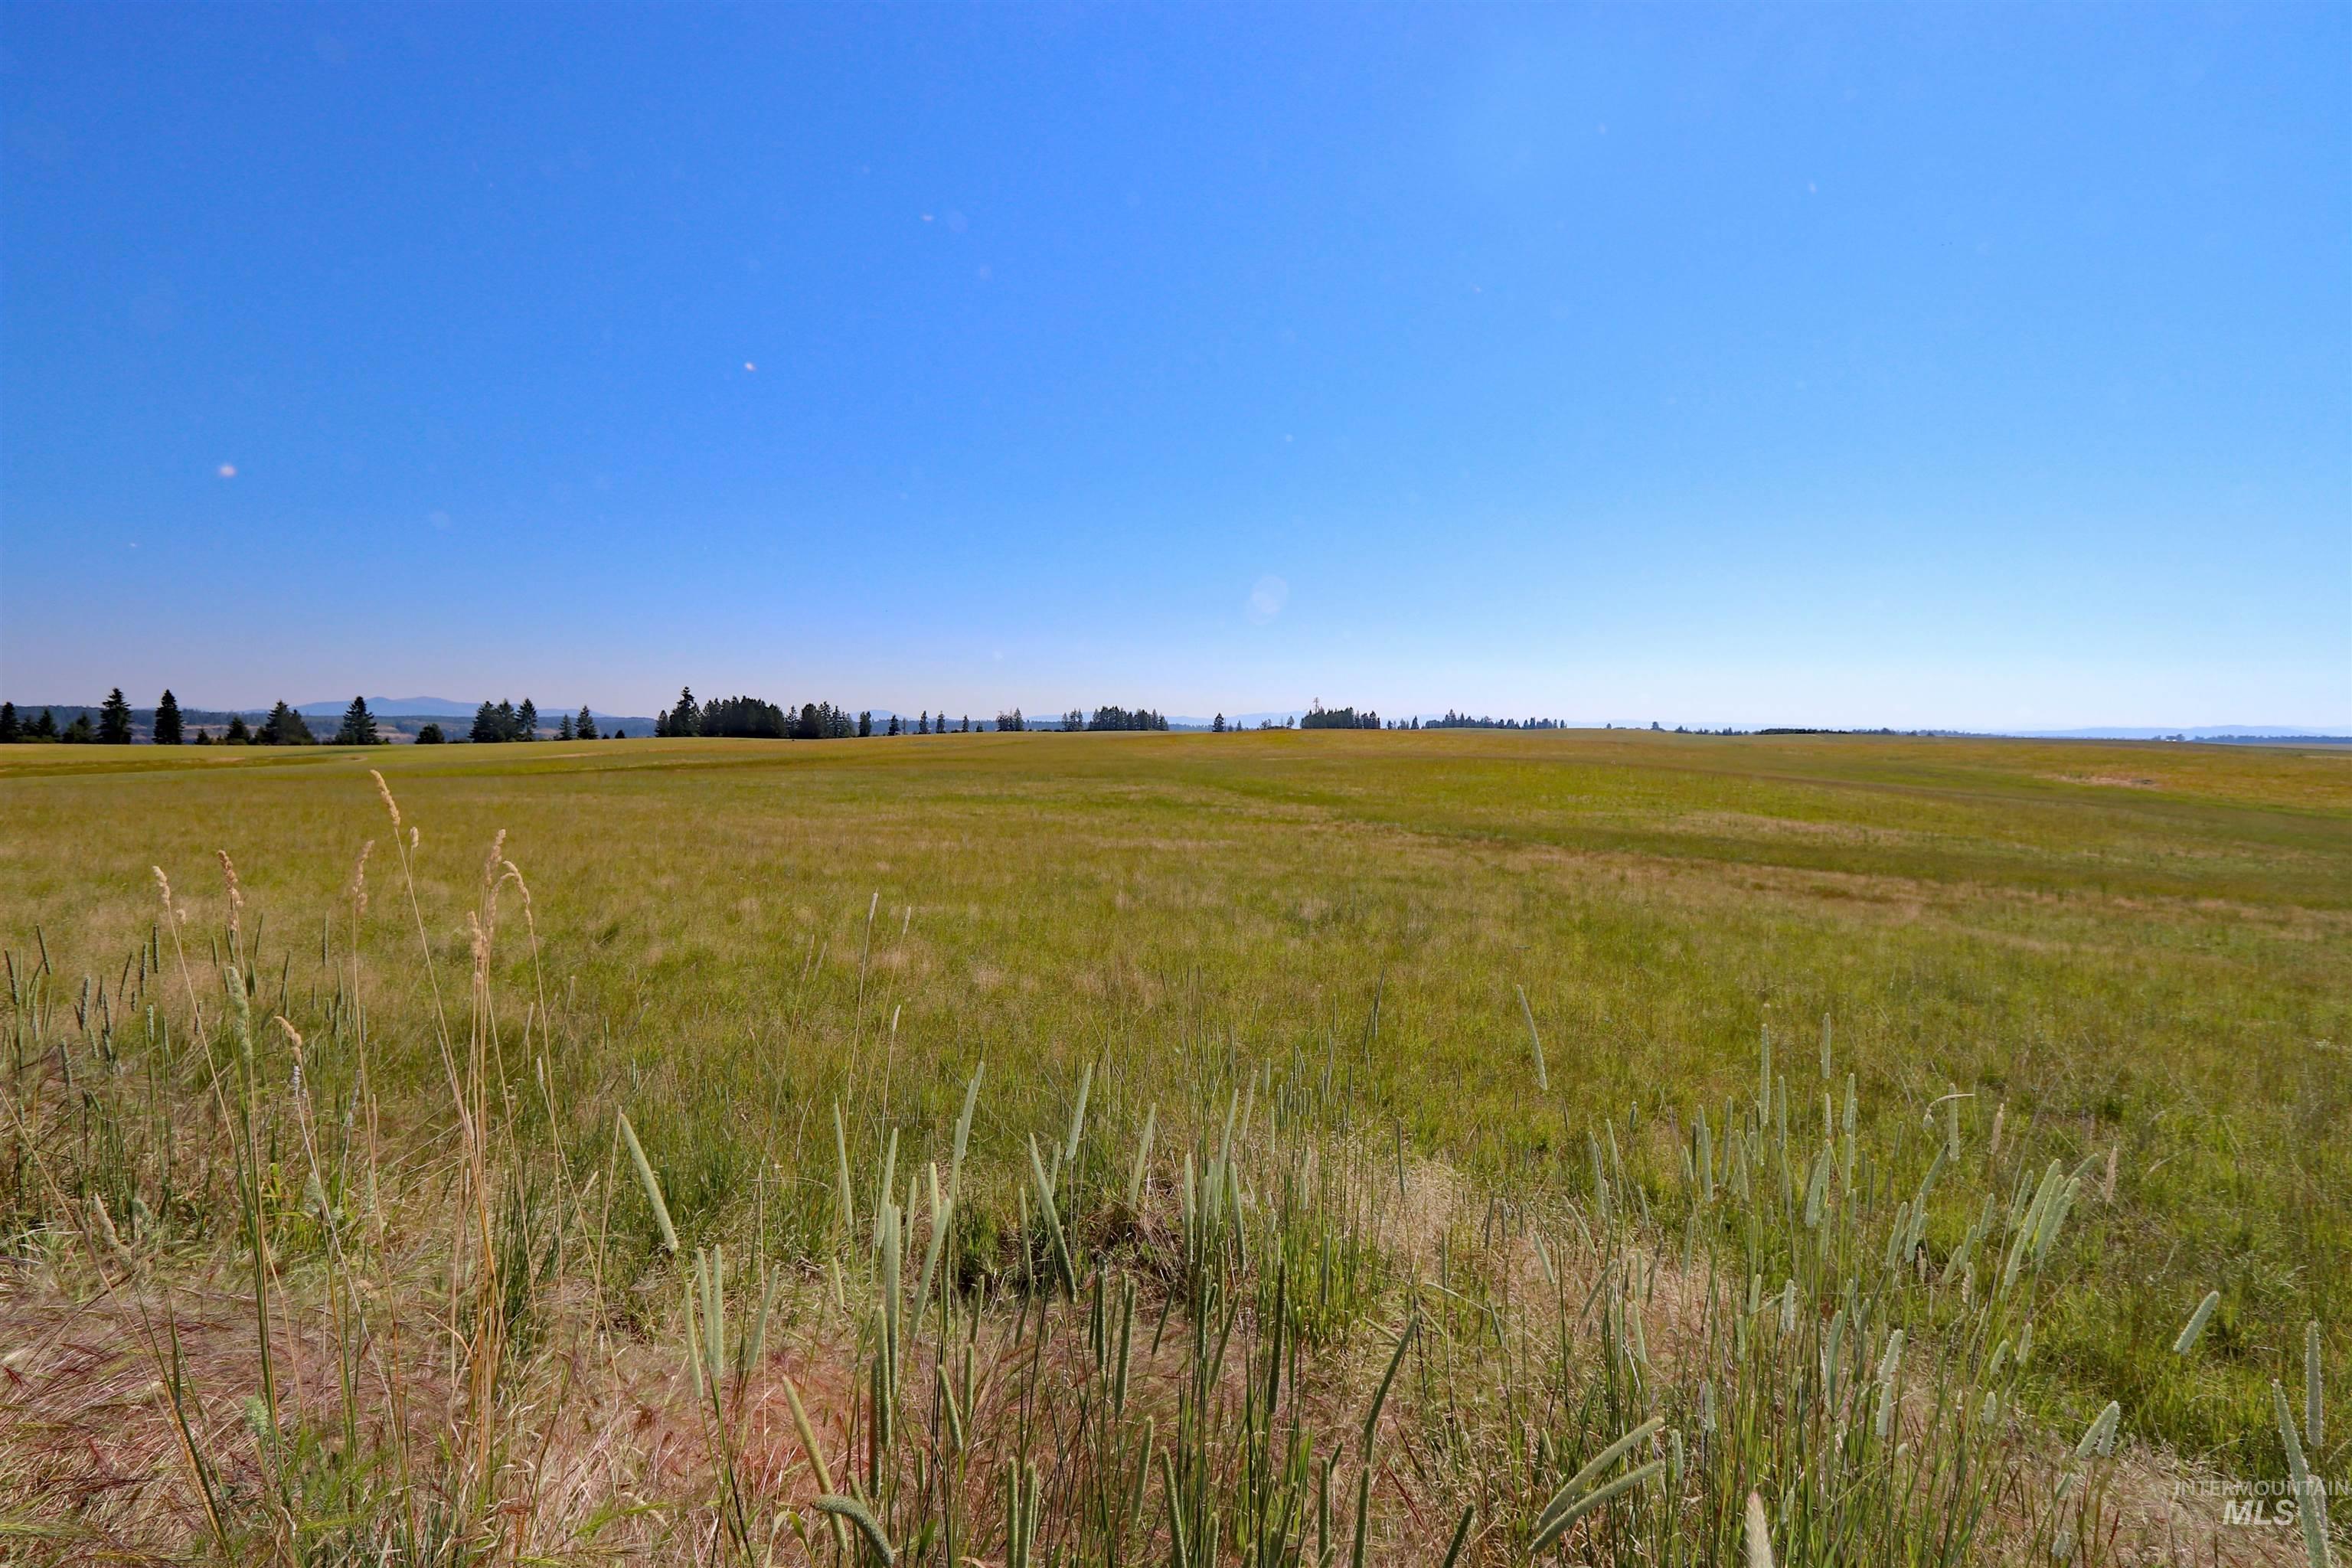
1983,367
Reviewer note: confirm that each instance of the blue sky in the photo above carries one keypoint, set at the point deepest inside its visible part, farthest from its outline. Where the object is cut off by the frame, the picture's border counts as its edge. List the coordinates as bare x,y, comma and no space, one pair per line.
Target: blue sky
1983,367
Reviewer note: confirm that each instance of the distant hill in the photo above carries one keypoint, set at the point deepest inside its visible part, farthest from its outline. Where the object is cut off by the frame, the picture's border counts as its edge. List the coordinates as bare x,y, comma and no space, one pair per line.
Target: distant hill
2209,732
423,707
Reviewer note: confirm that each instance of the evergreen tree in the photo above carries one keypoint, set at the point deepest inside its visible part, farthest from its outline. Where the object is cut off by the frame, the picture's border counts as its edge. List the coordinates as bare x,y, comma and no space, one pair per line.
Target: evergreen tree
526,725
486,725
505,713
114,719
237,734
865,723
620,734
79,732
358,728
285,727
1217,725
584,727
45,728
431,735
169,731
685,719
894,724
204,737
563,728
750,718
11,732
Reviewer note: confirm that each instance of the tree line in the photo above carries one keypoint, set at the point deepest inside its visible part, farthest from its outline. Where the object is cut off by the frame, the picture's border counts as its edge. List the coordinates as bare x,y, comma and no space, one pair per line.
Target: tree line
501,721
746,717
757,719
113,726
1112,717
285,725
1453,720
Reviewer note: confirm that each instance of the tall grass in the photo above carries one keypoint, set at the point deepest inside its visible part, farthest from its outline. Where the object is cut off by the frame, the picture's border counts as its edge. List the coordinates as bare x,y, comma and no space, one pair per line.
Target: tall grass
1242,1325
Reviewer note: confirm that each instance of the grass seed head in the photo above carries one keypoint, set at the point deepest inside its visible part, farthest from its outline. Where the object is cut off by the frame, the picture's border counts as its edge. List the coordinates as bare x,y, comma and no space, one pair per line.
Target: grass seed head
2194,1329
384,792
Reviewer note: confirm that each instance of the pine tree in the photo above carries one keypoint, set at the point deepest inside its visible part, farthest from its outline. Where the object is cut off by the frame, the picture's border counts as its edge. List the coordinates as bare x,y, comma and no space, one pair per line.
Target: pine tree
526,726
865,723
486,725
1217,726
169,731
204,737
358,727
114,719
584,727
285,727
237,734
11,732
563,728
431,735
685,719
79,732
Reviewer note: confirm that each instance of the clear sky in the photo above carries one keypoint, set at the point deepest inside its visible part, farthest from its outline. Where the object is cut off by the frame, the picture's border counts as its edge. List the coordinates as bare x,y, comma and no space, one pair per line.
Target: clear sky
1942,365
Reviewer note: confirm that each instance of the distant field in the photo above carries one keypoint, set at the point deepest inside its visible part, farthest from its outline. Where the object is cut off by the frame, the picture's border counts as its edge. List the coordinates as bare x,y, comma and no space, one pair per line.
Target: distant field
2139,947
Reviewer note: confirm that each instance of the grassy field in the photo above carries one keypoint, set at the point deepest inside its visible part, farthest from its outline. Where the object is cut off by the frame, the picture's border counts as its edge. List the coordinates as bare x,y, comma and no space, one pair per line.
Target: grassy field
2132,960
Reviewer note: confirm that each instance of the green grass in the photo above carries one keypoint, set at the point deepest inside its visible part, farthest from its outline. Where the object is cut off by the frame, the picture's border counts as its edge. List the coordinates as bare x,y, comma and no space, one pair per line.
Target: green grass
2132,948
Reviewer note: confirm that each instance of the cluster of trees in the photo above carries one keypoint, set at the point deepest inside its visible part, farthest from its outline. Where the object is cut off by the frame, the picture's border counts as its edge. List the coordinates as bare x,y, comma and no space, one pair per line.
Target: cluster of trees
926,725
15,730
113,729
753,717
1321,718
284,727
497,723
502,722
1453,720
757,719
1114,717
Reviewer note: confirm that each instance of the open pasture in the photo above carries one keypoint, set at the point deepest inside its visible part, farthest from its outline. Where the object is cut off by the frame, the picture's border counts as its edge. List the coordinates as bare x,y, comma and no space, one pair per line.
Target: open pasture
2134,959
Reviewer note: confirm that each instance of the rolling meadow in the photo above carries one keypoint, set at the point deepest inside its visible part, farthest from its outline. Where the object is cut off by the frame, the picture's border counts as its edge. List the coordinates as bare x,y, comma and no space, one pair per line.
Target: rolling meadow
1269,1148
